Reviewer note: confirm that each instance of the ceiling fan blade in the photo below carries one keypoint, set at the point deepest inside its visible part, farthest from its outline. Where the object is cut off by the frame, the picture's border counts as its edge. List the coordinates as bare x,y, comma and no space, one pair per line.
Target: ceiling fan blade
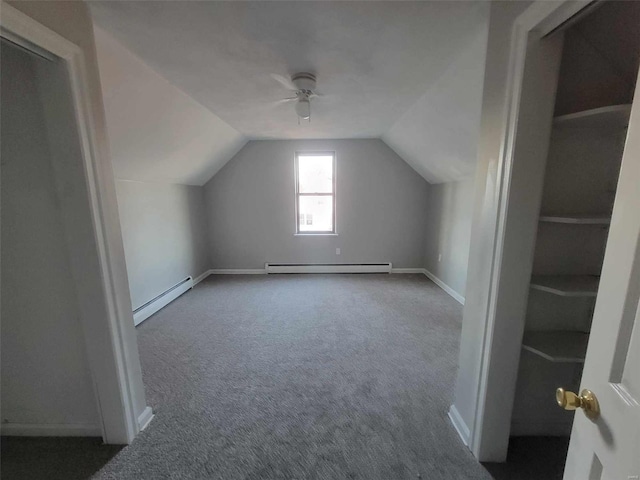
286,82
284,100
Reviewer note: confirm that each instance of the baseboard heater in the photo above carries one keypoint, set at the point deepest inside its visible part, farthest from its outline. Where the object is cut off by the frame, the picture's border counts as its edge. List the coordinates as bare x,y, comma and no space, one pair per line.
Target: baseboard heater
328,268
143,312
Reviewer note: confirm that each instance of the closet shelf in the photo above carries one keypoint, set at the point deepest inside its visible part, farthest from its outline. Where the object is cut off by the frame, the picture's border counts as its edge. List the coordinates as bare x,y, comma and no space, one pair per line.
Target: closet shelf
558,347
567,285
609,117
577,219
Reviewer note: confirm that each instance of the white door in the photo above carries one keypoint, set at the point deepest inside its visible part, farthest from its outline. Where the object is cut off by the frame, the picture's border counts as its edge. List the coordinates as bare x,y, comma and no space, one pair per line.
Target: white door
609,447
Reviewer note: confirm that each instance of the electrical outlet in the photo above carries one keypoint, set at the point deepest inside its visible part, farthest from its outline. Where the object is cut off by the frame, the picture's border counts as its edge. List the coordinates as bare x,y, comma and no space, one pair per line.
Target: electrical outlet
440,257
338,251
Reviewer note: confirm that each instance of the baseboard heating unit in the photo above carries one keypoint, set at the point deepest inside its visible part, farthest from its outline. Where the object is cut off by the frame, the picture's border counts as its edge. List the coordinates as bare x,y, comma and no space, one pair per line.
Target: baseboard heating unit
328,268
143,312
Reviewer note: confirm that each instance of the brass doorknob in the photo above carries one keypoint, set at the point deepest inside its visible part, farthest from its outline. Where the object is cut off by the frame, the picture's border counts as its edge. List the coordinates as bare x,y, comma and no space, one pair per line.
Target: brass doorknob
587,401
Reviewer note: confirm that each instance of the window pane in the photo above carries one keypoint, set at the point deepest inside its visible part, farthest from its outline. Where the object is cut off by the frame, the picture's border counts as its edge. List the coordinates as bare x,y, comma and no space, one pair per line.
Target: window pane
315,213
315,174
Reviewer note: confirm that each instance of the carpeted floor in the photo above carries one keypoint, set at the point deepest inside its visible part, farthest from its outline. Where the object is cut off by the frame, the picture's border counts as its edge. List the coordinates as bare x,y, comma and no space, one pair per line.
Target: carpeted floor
301,377
294,377
50,458
532,458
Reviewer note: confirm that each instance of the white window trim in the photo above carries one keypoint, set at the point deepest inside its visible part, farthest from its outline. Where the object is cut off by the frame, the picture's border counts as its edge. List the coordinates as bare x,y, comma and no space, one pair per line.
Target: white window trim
320,233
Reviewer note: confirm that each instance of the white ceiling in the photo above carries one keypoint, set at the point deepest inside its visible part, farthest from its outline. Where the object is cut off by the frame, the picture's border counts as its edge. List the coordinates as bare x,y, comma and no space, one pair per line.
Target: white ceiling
373,60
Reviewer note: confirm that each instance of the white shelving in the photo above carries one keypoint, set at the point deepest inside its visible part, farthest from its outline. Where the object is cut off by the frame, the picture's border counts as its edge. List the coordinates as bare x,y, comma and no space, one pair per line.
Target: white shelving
609,117
559,347
567,285
577,219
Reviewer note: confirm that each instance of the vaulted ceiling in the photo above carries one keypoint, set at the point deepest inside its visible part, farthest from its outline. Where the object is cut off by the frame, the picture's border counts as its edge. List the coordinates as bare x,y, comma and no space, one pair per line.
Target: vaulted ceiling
380,65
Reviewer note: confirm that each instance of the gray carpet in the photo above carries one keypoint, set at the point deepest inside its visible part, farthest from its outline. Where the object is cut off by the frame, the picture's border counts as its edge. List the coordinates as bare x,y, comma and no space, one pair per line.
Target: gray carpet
50,458
532,458
301,377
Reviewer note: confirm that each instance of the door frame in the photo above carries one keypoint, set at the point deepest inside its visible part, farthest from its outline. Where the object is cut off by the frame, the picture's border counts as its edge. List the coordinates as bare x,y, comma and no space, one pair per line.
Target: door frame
497,373
108,332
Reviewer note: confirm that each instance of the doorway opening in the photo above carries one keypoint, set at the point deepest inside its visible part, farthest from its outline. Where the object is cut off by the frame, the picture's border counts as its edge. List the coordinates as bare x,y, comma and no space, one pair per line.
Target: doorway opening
596,76
69,367
47,385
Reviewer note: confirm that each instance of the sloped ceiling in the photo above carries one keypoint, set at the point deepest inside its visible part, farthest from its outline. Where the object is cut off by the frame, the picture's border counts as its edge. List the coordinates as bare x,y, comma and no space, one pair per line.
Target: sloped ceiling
438,135
157,133
382,67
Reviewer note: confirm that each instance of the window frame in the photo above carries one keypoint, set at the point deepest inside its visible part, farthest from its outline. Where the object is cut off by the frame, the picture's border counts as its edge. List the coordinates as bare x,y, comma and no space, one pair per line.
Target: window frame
299,194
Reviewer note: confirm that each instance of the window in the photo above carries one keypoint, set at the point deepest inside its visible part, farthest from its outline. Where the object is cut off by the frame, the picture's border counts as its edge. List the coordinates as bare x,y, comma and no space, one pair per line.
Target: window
315,193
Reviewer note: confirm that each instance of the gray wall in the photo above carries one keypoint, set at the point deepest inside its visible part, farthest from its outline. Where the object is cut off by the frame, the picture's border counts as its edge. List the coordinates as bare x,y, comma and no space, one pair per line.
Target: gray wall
483,224
45,373
380,207
448,233
164,233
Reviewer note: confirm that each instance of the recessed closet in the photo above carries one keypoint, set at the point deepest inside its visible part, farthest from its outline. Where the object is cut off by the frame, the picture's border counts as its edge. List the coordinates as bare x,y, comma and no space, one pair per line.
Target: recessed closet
599,65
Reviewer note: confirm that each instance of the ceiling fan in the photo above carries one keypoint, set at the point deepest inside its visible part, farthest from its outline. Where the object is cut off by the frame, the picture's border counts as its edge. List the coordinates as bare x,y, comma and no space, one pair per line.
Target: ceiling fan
303,86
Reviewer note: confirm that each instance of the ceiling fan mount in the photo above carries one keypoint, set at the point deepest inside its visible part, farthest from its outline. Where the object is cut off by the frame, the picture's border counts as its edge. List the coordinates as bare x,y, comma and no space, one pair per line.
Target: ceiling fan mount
306,82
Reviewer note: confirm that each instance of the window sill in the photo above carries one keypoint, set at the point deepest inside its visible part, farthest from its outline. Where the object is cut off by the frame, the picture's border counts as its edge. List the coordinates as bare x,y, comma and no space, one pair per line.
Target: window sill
315,234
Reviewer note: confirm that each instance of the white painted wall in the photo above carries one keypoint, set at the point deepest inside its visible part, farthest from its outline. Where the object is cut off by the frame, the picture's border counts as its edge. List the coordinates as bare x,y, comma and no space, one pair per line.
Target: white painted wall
157,132
380,207
448,233
72,21
164,233
483,224
45,373
438,135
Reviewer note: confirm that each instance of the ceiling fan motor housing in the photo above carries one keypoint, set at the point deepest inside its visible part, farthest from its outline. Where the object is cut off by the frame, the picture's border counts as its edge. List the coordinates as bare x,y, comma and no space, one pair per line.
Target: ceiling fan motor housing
304,81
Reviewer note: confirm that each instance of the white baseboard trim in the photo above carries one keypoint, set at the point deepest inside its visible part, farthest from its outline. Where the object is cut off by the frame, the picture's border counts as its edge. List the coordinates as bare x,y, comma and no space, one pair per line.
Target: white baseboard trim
201,277
329,268
237,271
459,298
141,314
261,271
407,270
50,430
459,425
145,418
